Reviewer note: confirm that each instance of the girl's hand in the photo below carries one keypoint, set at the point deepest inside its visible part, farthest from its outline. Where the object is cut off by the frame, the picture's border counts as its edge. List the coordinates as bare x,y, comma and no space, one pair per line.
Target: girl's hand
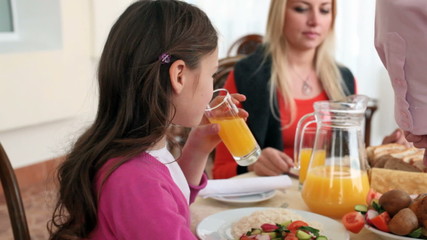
205,136
272,162
201,141
397,137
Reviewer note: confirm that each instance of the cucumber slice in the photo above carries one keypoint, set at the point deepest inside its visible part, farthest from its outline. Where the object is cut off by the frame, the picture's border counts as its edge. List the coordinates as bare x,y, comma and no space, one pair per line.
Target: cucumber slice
303,235
321,238
270,234
361,208
286,224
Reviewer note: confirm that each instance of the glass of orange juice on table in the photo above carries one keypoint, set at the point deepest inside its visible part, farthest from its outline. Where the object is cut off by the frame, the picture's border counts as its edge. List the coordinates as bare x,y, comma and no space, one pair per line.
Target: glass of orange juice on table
233,129
305,158
303,153
336,174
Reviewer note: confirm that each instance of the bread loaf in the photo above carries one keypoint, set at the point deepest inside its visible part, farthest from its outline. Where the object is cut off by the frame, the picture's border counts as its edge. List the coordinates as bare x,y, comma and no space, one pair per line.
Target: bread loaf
394,166
397,157
383,180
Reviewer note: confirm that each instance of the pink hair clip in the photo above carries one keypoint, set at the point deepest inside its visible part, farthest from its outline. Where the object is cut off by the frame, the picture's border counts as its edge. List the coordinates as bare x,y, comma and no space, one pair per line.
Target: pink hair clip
165,58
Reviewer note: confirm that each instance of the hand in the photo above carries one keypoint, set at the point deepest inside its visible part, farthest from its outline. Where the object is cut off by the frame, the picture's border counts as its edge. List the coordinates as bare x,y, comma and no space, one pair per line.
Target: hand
397,137
419,141
205,136
200,143
272,162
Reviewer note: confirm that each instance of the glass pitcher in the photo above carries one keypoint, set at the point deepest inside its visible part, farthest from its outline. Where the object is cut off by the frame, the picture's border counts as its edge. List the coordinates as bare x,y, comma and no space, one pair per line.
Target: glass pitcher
336,178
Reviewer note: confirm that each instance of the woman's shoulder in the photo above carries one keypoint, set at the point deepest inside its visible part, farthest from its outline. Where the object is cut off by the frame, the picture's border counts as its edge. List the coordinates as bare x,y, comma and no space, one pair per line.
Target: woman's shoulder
254,59
253,71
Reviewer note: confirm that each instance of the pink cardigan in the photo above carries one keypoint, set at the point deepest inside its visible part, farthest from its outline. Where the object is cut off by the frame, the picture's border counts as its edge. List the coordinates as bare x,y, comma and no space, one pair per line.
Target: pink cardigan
401,42
139,200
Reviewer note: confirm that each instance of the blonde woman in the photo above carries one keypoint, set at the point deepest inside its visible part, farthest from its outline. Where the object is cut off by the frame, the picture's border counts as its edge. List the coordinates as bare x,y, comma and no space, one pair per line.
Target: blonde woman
294,68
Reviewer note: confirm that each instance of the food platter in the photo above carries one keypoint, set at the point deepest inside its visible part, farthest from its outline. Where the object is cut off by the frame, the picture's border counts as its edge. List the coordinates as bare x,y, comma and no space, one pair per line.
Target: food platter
218,226
387,236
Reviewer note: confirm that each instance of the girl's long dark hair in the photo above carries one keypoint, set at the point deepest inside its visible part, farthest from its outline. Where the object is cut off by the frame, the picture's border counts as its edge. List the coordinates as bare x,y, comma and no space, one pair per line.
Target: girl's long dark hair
134,101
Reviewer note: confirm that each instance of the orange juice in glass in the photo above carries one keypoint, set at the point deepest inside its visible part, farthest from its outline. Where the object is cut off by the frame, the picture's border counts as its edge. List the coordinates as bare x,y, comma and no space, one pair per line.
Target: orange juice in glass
234,131
334,190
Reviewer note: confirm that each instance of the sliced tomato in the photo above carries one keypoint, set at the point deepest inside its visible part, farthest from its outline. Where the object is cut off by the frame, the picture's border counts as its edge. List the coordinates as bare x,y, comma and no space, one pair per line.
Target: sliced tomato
295,225
370,214
291,236
381,221
372,194
353,221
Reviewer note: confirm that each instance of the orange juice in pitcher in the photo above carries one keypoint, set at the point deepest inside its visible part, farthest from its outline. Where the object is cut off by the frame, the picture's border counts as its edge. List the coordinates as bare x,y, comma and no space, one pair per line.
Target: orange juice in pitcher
334,190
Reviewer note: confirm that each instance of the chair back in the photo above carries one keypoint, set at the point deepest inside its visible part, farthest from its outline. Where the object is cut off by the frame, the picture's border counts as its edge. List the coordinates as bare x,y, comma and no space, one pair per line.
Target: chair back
370,110
225,66
12,194
245,45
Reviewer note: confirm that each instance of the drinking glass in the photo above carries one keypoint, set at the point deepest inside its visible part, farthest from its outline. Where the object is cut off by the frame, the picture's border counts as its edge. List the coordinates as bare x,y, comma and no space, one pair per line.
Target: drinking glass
234,131
303,153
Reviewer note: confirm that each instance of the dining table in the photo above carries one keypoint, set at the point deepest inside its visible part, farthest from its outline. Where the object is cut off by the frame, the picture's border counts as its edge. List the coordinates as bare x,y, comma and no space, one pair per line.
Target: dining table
284,198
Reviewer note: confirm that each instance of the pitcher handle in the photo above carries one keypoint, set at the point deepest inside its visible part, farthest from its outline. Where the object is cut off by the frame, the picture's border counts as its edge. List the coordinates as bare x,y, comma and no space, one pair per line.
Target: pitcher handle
299,136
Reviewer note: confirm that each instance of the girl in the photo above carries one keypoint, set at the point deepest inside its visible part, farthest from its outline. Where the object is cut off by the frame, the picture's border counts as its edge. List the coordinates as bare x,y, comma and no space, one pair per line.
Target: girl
119,181
294,68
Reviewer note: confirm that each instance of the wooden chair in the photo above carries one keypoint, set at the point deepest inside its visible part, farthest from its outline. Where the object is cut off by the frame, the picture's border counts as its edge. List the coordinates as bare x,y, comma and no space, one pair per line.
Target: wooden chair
12,194
245,45
225,66
370,110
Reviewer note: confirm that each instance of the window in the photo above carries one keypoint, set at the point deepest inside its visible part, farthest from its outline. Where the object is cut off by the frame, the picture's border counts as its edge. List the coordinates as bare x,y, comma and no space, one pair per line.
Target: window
7,20
30,25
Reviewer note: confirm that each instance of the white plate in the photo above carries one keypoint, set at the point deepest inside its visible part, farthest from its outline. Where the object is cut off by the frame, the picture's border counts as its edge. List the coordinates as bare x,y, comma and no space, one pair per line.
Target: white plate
248,198
218,226
387,236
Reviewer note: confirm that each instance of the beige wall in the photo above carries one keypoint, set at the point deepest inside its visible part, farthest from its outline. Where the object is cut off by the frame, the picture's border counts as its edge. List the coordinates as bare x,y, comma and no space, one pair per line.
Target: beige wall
45,93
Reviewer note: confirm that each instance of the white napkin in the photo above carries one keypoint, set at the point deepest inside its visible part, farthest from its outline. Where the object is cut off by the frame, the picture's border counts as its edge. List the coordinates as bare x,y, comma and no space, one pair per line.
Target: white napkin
245,185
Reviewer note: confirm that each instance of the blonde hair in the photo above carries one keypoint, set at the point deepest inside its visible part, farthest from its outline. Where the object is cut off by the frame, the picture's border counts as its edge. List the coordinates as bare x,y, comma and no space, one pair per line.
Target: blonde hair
276,45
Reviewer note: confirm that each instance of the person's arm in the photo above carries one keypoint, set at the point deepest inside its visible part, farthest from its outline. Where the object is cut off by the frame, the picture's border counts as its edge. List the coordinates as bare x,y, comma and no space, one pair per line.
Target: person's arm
200,142
396,136
419,141
400,30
